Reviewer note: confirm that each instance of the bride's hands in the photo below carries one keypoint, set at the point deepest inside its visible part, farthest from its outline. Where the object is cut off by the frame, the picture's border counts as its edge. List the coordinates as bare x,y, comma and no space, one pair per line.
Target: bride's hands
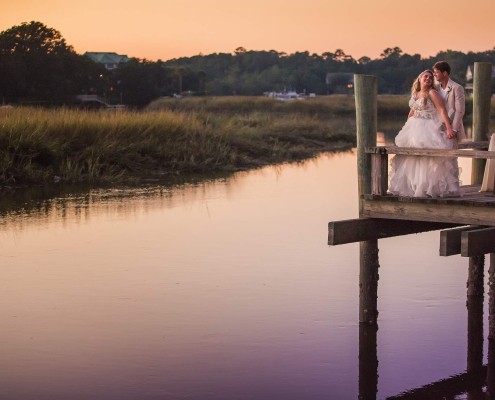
450,133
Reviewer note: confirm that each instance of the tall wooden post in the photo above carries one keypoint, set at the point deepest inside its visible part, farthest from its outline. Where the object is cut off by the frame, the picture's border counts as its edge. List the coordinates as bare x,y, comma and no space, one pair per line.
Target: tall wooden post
365,89
482,92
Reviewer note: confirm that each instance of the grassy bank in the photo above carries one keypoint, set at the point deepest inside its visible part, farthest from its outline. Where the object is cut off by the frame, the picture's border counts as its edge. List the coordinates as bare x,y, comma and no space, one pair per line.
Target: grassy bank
321,107
39,146
173,137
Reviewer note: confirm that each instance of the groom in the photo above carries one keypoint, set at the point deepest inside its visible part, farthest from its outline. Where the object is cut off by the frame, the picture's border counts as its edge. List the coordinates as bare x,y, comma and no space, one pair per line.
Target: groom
454,97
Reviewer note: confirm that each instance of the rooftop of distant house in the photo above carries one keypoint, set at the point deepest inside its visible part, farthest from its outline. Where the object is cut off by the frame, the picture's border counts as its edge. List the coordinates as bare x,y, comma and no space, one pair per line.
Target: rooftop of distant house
109,59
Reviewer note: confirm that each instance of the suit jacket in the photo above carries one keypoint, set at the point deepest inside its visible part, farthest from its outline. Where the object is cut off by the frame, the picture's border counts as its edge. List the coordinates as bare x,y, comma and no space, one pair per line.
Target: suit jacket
455,103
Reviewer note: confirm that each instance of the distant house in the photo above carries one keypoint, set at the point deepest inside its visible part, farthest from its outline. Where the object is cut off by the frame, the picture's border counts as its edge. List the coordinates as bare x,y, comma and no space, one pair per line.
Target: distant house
469,73
339,82
109,60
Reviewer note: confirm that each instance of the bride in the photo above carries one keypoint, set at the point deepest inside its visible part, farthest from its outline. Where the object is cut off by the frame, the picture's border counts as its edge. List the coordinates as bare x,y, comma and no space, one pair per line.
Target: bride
422,176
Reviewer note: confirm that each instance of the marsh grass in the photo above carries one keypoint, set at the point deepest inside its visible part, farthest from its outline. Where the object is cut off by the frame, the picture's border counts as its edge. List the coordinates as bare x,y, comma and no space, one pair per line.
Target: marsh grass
319,106
323,107
176,136
67,145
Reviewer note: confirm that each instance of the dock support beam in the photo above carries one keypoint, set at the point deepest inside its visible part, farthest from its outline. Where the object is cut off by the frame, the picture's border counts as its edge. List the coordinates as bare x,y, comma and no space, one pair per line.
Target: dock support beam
365,87
450,240
362,229
482,91
477,241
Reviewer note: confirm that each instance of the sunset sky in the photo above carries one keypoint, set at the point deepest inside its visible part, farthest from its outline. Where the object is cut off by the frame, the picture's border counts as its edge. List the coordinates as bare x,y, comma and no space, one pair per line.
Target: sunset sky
165,29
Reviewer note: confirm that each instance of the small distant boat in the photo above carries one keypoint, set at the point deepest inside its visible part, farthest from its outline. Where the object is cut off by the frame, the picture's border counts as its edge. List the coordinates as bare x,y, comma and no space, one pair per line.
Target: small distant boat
286,96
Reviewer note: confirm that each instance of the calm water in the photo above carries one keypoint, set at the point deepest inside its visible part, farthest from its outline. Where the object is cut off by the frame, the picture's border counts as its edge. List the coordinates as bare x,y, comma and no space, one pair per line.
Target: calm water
220,290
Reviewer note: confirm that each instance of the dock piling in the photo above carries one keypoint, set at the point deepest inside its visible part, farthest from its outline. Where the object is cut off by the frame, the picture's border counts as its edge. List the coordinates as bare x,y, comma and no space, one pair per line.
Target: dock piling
482,92
470,222
365,87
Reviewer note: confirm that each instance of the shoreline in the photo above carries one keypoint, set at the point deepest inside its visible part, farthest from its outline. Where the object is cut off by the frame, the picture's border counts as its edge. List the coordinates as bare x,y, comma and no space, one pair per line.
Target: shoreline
173,137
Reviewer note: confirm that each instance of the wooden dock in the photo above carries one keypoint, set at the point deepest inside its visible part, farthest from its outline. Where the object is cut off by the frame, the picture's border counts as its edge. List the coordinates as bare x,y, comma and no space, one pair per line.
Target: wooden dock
472,207
466,224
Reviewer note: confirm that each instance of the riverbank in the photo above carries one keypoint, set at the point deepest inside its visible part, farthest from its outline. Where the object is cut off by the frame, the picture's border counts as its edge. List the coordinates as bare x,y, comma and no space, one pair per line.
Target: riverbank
173,137
40,146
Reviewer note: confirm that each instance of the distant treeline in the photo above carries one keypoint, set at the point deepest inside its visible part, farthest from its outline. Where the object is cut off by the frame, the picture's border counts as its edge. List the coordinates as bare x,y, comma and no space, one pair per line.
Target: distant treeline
38,66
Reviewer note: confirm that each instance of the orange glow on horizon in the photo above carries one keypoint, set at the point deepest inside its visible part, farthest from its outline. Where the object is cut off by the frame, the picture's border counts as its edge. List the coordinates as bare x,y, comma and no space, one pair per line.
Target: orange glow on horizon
165,29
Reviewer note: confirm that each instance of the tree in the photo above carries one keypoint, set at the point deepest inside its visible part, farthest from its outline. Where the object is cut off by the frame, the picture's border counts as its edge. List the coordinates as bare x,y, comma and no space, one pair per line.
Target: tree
340,56
391,53
179,73
141,81
327,56
240,50
47,63
33,37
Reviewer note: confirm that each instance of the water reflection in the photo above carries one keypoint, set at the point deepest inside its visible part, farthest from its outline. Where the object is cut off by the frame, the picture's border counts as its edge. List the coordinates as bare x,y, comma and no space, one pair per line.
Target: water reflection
221,290
199,291
368,361
476,383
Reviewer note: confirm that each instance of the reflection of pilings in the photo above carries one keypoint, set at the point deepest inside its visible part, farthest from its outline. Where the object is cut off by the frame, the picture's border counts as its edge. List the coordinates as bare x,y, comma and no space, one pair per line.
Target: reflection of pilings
368,362
475,291
475,345
448,388
490,376
368,281
491,298
475,334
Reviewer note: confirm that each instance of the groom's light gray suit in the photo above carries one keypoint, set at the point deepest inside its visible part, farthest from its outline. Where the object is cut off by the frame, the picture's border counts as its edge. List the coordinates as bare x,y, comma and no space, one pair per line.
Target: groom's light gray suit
455,102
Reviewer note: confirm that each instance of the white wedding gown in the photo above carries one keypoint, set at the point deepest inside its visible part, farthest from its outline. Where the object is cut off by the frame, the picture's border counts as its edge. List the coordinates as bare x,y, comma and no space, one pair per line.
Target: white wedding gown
419,176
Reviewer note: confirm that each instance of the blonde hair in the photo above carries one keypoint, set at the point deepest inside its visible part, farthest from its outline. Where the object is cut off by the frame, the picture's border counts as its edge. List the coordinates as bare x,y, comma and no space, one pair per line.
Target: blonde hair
416,86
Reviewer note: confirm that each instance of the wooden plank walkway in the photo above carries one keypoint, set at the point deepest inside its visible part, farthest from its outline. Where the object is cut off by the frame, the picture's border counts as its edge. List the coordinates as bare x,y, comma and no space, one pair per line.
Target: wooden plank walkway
471,208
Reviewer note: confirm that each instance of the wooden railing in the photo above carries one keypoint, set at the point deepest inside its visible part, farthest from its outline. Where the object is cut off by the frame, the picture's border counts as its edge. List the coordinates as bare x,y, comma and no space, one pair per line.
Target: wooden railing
379,159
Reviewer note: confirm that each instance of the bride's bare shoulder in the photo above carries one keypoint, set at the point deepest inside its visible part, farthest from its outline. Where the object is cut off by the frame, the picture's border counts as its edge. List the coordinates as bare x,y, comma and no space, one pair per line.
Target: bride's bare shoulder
434,94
